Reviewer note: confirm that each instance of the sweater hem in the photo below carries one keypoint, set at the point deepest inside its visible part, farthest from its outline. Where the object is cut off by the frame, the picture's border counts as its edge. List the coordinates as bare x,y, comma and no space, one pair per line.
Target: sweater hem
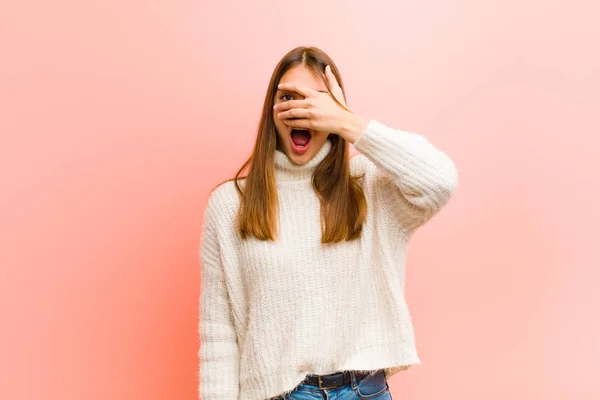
389,357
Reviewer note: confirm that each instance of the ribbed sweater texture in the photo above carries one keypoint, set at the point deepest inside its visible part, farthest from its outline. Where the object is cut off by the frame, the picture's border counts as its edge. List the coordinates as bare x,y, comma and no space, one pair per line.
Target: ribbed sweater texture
272,312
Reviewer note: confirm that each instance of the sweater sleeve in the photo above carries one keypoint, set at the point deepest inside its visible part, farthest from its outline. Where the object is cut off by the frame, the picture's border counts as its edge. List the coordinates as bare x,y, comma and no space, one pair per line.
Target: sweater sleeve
218,352
417,179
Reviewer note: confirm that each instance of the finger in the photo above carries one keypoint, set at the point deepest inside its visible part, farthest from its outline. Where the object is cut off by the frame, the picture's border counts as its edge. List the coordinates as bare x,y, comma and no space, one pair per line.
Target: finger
294,113
336,89
299,123
303,90
286,105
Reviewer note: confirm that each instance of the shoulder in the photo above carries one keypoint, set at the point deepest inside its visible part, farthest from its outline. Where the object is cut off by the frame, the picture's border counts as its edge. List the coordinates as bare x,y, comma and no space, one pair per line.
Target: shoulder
223,200
372,179
359,164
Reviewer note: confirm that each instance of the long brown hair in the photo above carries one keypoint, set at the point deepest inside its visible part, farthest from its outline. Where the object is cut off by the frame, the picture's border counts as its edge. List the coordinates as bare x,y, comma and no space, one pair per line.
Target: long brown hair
343,202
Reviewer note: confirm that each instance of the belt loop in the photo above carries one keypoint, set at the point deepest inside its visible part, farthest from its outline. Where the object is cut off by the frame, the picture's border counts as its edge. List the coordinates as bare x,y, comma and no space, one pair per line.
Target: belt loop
353,380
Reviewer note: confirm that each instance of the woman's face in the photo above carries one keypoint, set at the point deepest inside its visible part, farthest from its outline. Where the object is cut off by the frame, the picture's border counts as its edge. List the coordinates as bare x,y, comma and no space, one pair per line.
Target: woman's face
295,145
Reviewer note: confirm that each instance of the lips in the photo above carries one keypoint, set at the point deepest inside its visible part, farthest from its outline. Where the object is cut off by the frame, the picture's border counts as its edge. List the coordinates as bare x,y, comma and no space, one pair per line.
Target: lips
300,139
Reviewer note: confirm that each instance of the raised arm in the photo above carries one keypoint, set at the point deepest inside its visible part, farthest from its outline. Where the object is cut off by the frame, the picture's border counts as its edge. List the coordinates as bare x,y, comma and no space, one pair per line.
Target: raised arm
423,177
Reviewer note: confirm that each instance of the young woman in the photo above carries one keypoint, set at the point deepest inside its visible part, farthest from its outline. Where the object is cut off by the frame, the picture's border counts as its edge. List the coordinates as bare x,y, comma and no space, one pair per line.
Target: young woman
303,259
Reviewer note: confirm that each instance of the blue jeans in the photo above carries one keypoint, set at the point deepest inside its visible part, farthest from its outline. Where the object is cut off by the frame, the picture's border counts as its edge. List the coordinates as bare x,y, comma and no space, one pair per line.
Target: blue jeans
372,387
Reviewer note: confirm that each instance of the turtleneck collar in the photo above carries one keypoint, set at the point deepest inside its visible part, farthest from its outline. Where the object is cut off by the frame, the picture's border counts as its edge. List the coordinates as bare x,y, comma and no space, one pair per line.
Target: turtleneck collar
286,170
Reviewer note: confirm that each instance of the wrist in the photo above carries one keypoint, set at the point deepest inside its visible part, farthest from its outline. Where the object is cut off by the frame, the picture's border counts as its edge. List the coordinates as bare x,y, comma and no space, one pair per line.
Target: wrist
352,127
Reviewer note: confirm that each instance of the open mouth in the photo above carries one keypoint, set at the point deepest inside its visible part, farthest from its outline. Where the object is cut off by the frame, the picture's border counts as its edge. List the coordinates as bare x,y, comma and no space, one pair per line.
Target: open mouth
300,139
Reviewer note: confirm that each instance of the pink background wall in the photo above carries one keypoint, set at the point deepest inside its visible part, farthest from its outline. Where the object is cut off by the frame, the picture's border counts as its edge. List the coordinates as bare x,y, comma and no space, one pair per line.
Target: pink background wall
118,117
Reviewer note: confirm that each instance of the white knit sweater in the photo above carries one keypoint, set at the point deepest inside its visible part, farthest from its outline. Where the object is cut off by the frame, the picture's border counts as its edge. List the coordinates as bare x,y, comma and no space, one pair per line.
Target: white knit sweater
272,312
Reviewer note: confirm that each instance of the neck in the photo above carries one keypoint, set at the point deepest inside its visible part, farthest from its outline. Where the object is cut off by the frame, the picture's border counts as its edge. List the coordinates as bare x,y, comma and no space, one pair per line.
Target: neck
286,170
